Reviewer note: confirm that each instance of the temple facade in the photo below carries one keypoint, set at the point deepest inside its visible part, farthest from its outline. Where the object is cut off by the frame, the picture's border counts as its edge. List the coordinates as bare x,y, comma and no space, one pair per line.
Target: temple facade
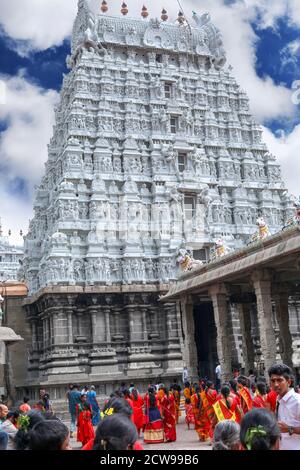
153,149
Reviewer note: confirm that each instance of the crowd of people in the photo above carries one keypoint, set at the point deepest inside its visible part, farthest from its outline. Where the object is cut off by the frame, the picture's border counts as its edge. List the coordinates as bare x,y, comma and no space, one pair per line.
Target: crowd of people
247,413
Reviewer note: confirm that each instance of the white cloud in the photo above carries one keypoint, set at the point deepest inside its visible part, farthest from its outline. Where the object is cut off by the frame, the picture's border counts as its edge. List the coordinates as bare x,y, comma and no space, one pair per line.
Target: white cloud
15,214
290,55
44,23
286,149
28,112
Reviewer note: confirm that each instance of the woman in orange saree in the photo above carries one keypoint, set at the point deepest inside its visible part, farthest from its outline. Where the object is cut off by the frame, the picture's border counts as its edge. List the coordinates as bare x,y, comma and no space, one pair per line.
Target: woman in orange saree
168,409
209,398
202,424
244,393
176,395
187,392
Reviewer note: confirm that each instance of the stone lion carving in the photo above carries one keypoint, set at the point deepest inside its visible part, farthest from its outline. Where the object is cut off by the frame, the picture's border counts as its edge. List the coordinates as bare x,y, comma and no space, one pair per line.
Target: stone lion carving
186,260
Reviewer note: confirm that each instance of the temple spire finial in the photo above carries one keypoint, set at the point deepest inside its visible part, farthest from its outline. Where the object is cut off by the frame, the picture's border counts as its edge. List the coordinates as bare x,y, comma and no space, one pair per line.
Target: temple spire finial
180,18
164,15
104,6
124,9
145,12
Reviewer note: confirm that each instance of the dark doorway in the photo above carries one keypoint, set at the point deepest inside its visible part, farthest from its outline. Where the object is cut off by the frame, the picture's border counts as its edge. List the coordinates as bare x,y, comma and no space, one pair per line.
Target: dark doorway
206,339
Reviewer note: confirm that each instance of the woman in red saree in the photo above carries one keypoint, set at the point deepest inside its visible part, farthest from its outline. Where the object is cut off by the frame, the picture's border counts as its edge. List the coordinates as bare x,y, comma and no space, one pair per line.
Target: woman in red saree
85,430
189,415
260,399
168,408
209,398
237,402
154,430
224,407
202,424
138,415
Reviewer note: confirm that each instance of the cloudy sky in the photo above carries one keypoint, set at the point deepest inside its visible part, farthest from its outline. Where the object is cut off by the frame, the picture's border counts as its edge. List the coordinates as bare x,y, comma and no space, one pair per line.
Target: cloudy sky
263,45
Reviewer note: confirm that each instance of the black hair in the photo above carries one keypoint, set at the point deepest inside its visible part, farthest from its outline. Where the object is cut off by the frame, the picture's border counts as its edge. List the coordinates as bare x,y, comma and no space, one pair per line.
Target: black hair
208,384
280,369
187,401
225,391
243,380
152,400
48,435
233,385
262,388
187,384
119,405
251,372
151,390
260,378
115,432
166,391
265,430
13,414
26,399
197,391
21,439
126,393
134,394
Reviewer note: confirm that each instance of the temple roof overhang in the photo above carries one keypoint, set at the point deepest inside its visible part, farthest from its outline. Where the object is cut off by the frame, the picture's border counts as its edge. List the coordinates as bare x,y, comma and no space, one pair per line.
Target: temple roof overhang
8,336
278,254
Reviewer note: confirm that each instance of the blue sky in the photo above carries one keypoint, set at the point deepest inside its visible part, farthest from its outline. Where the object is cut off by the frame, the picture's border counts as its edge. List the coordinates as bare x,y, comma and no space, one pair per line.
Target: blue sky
261,40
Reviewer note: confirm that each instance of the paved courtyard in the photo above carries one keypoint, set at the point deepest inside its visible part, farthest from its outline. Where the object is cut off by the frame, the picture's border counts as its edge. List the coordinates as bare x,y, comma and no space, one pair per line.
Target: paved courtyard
186,440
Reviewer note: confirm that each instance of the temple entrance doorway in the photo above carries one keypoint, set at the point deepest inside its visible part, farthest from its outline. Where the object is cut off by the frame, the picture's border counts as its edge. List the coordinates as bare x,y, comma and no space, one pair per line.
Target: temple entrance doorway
206,340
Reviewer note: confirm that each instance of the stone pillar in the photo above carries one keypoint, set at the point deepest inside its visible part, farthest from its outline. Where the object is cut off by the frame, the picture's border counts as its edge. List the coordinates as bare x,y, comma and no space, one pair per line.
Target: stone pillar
44,322
145,332
190,354
93,313
135,323
262,285
34,340
281,298
223,323
247,343
107,325
70,325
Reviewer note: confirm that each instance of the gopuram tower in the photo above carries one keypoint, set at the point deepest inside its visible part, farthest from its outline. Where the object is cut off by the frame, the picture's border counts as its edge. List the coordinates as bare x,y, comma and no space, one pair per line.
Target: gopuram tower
153,149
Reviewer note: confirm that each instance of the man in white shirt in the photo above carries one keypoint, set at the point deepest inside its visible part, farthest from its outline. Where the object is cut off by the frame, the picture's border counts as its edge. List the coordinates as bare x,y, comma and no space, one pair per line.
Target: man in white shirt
218,377
185,375
288,406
